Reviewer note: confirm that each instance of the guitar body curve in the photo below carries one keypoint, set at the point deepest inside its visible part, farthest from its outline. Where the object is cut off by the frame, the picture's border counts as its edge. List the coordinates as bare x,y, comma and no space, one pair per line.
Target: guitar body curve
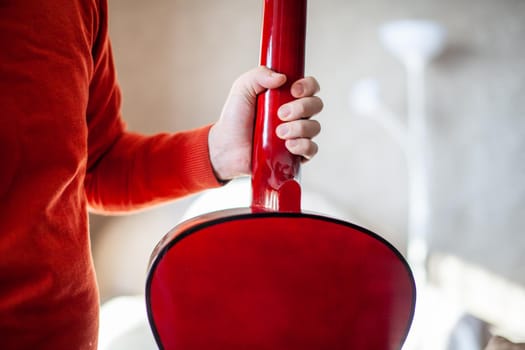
236,279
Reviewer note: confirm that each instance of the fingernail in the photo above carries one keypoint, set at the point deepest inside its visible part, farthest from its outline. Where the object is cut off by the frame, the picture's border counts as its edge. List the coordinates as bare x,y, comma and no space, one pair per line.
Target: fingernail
292,143
282,130
297,90
284,112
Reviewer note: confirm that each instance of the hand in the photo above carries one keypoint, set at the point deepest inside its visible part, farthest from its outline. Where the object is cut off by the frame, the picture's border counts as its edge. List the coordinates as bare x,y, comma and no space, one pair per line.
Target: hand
230,139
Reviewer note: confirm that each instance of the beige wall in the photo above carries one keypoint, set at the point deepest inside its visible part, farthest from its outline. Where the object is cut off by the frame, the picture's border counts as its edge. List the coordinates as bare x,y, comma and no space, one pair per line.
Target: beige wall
177,59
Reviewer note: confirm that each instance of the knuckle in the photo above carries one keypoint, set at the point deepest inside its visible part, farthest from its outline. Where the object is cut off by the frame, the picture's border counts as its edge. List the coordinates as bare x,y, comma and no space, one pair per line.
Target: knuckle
316,127
312,149
320,103
300,109
301,129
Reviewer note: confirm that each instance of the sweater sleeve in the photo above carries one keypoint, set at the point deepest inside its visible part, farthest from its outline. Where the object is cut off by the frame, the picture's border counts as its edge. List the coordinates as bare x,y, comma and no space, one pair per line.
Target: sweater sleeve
128,171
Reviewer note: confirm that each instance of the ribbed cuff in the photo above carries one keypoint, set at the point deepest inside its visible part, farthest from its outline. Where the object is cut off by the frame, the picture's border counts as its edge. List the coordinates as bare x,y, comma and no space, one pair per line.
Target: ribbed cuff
197,164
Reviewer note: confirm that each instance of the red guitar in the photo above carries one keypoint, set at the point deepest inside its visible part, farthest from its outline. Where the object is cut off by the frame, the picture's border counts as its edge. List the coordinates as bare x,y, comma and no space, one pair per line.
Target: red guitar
272,277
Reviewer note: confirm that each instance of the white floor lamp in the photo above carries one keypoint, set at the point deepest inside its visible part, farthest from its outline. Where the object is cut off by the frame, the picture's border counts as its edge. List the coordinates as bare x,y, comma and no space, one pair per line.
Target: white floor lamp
415,43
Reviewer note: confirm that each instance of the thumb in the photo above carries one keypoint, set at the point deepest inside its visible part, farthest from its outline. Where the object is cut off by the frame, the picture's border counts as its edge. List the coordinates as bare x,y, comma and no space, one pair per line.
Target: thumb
257,80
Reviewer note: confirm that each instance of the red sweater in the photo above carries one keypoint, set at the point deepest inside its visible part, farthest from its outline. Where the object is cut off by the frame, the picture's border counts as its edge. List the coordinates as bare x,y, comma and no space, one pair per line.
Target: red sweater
64,147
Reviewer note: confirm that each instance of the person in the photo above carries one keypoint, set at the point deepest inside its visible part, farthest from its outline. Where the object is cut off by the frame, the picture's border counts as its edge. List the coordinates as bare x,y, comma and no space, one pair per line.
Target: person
64,149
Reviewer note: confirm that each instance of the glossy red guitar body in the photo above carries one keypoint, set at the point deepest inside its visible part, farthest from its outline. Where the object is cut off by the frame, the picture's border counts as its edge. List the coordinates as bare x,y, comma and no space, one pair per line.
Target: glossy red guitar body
271,276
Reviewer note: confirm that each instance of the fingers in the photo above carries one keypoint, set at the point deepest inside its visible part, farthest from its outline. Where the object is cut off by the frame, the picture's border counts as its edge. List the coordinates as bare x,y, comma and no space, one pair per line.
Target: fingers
302,147
261,78
298,130
306,104
304,128
302,108
298,135
305,87
257,80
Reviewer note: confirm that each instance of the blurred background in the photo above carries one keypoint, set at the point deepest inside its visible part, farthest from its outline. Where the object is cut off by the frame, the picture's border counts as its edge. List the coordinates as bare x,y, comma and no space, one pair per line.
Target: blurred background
176,60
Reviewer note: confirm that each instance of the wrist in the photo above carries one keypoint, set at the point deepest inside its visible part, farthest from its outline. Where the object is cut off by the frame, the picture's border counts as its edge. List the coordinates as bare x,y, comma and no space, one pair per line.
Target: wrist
216,157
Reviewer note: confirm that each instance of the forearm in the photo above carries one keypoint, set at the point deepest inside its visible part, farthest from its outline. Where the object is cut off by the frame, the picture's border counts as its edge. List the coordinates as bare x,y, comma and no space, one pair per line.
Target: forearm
139,171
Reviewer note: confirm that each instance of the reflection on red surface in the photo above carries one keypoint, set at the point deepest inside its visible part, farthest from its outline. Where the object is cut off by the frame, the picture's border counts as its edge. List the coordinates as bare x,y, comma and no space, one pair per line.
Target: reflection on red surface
282,49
